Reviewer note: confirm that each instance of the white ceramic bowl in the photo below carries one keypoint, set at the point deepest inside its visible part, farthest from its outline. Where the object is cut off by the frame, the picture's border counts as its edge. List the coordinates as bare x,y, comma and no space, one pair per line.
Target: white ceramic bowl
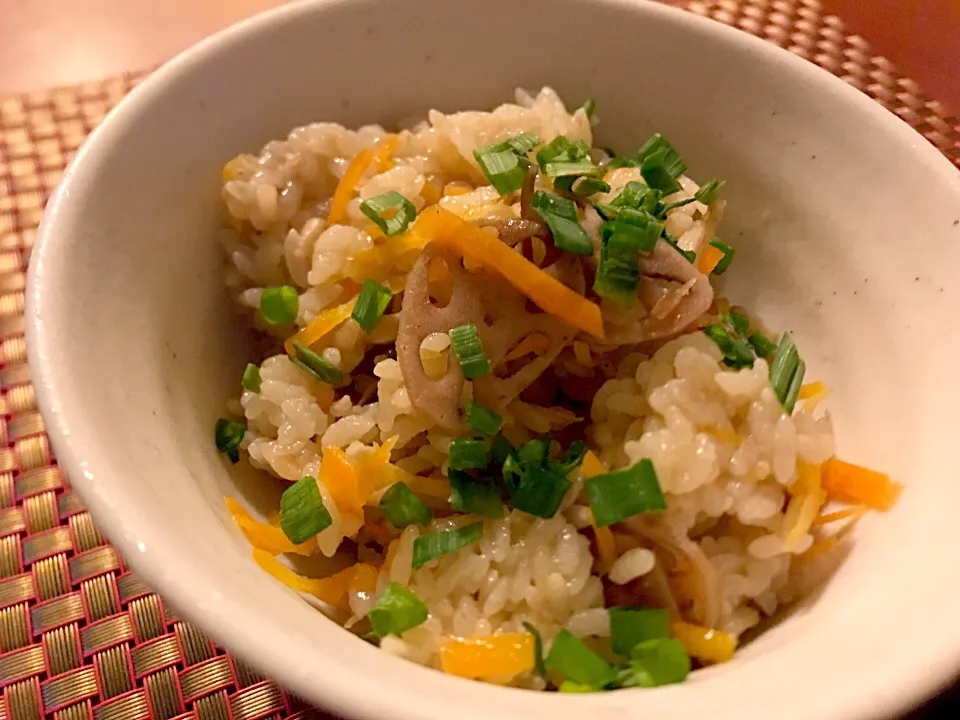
847,227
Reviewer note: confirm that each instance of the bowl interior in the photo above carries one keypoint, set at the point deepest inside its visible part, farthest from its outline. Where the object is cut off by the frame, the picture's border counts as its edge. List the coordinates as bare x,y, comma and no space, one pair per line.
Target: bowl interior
846,225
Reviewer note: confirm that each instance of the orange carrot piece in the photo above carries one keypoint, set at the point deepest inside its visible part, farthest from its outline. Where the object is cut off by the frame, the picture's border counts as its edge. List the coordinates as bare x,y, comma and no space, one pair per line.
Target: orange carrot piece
348,185
340,478
705,644
263,536
855,512
855,484
384,155
325,322
332,590
446,229
811,390
709,259
532,343
503,655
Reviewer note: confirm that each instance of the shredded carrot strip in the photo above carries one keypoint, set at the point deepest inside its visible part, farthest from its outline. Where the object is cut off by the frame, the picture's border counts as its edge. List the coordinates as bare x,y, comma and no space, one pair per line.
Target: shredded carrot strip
323,323
331,590
435,487
804,503
811,390
340,478
445,228
827,518
532,343
810,404
384,155
592,466
708,645
377,263
854,484
501,655
709,259
606,549
266,537
348,185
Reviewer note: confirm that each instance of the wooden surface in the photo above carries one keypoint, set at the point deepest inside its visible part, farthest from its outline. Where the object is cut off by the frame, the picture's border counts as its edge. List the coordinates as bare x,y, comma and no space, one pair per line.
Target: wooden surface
49,43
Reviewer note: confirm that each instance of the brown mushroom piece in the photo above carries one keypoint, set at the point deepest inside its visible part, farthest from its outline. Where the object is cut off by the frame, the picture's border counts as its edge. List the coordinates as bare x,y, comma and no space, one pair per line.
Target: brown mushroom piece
503,320
674,292
692,587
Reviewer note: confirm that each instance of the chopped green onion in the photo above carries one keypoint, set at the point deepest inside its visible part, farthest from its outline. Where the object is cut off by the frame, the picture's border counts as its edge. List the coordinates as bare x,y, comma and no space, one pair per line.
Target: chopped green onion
728,253
302,512
562,150
786,372
688,255
607,212
279,305
630,627
587,185
534,453
708,191
656,174
616,279
738,321
579,663
670,206
522,143
672,163
624,493
661,661
737,352
540,491
560,215
396,611
401,507
251,378
764,346
469,351
572,457
433,545
504,169
483,419
642,230
621,161
589,107
475,496
637,196
500,451
228,436
391,212
314,364
623,240
468,454
567,169
568,686
538,663
371,303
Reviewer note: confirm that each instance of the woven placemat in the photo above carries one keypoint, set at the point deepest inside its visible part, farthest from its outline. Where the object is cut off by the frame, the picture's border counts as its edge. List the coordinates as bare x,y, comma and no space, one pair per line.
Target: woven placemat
80,635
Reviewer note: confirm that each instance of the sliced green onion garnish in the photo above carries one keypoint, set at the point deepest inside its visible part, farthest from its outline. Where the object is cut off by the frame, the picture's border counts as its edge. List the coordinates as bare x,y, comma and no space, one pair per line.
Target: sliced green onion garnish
568,686
228,435
607,211
534,453
314,364
474,496
469,351
483,419
251,378
401,507
671,161
572,457
655,172
396,611
708,191
538,663
391,212
728,253
678,203
641,230
688,255
500,451
784,372
522,143
587,185
764,346
738,321
371,303
302,512
625,238
562,150
637,196
505,169
279,305
433,545
560,215
589,107
578,663
621,161
737,352
653,663
624,493
630,627
540,491
567,169
468,454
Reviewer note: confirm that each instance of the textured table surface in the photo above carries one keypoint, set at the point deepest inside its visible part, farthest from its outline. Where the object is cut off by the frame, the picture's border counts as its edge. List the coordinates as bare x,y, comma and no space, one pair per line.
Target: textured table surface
80,635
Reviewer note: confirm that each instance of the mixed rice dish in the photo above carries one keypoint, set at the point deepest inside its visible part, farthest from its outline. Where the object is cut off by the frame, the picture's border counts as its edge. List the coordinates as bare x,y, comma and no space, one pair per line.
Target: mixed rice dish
502,389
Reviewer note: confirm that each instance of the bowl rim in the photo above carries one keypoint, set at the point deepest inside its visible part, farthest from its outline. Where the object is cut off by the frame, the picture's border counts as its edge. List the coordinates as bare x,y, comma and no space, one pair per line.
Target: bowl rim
188,589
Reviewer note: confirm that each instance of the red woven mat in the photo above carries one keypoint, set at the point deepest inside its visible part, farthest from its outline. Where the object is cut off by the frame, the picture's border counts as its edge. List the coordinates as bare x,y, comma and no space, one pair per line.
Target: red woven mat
80,636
